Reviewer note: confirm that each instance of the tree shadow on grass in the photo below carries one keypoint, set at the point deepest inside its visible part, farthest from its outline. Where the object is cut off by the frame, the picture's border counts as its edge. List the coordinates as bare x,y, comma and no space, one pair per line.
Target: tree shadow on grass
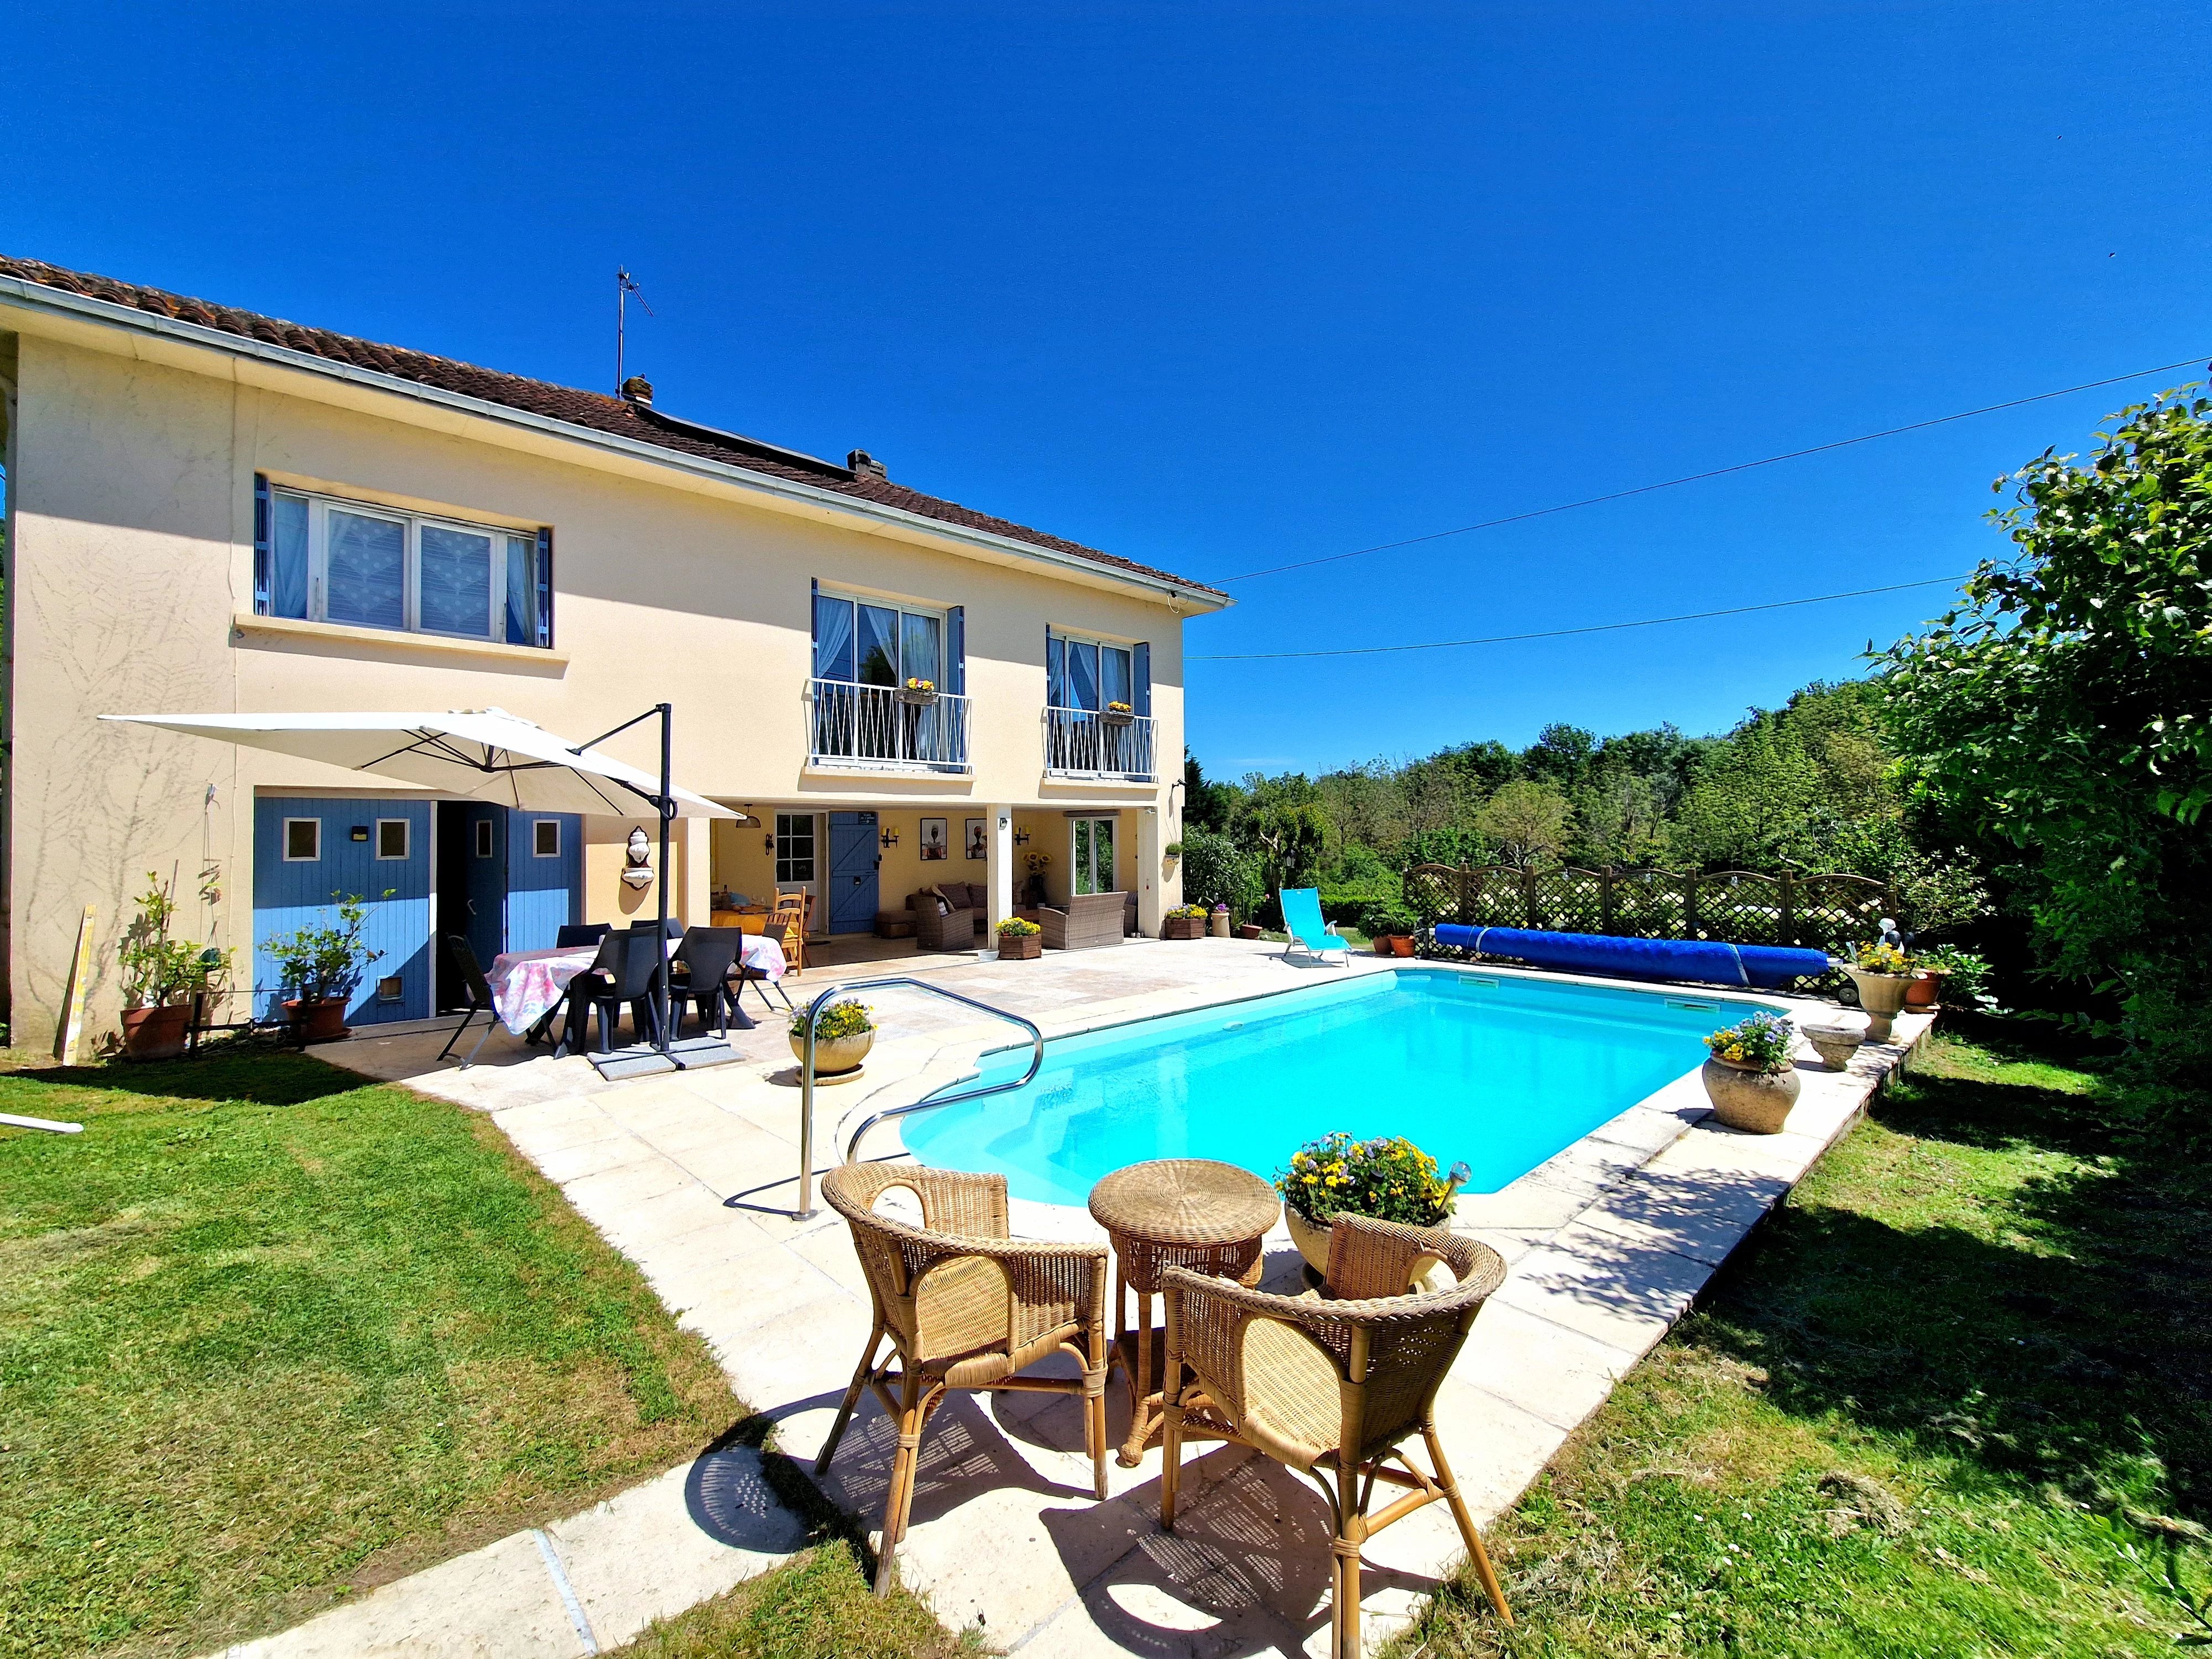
2071,1346
268,1077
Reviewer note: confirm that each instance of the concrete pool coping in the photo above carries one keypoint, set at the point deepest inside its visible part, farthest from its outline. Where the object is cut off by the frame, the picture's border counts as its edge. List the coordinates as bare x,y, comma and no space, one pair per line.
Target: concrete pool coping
688,1176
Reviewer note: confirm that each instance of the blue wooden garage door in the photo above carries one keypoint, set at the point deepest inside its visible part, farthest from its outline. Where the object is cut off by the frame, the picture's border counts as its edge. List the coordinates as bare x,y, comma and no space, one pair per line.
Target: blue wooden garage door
544,876
355,847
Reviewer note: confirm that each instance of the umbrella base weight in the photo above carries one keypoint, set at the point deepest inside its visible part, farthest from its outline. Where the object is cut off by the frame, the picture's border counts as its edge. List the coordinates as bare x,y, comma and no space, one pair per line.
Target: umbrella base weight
643,1059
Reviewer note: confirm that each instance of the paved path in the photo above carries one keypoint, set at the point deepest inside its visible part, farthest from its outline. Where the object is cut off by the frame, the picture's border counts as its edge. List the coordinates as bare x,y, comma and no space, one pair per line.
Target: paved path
690,1175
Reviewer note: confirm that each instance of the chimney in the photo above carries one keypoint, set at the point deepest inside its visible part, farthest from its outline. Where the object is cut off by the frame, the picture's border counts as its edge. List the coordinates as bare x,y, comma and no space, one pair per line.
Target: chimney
638,390
864,465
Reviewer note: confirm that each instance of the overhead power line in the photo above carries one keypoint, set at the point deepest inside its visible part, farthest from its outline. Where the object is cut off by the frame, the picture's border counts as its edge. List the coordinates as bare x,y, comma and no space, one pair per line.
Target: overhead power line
1716,472
1561,633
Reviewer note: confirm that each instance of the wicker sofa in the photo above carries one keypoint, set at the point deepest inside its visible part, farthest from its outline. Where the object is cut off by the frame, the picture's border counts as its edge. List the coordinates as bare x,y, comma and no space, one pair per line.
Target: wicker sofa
1086,919
955,930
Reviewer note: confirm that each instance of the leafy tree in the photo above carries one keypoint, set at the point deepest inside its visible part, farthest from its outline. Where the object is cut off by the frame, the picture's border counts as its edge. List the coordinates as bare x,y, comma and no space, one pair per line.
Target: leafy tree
2060,715
1622,817
1207,805
1529,820
1561,754
1217,871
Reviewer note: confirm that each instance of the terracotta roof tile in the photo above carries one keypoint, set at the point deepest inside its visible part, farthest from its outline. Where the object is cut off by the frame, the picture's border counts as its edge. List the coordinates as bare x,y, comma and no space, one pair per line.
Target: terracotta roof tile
592,409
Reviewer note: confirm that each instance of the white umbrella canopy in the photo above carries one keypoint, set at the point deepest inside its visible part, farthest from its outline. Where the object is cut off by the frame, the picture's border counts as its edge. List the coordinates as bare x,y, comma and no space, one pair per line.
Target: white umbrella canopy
486,754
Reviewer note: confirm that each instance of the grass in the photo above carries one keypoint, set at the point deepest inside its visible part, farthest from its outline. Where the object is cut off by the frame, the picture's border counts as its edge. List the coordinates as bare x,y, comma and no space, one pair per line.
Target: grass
817,1606
269,1338
1955,1399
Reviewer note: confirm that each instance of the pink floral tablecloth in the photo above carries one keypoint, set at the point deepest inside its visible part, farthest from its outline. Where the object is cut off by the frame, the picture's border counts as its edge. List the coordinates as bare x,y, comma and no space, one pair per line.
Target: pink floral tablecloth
526,984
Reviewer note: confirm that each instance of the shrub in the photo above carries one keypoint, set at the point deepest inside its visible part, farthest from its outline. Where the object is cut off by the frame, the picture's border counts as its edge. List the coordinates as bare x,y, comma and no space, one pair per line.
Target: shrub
1216,871
1389,1177
1760,1044
840,1019
1383,917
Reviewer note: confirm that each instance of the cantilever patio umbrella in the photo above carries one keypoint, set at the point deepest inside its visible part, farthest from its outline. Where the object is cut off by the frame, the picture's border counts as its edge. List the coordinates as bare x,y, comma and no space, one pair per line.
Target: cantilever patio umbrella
486,754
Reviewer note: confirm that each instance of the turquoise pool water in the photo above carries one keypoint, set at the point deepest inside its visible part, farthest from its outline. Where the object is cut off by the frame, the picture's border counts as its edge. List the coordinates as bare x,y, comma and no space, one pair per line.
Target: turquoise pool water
1501,1073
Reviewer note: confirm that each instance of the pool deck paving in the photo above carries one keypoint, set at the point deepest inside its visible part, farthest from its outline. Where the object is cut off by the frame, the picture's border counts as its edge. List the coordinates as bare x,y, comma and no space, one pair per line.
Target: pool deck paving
693,1177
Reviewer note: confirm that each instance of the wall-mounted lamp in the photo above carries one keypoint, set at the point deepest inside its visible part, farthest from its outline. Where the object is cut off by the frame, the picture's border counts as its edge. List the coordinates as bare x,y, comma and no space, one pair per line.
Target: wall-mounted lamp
1021,837
770,840
890,837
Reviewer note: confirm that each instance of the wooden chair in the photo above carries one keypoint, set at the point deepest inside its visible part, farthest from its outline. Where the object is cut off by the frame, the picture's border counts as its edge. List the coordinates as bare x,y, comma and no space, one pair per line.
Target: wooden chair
1331,1388
786,925
964,1307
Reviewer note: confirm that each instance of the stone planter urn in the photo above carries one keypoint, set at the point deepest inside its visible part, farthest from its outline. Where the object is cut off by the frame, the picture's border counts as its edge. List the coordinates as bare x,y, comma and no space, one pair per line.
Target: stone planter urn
1882,995
155,1033
1758,1103
835,1057
1217,924
1835,1044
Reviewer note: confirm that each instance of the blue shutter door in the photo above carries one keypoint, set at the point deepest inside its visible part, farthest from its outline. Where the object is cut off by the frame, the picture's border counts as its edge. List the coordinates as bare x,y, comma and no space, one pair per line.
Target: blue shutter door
291,896
544,894
1140,698
956,650
262,559
546,588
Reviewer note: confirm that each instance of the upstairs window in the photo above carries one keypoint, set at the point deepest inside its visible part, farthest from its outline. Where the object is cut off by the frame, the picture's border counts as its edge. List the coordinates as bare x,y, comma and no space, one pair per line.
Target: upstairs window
1095,674
863,642
319,558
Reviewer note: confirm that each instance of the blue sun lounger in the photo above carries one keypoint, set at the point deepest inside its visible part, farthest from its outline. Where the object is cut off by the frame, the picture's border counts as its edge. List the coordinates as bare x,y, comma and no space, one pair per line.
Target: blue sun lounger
1308,931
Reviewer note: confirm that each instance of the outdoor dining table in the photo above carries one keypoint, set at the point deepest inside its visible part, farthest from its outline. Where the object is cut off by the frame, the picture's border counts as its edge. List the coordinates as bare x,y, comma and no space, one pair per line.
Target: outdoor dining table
527,986
1191,1213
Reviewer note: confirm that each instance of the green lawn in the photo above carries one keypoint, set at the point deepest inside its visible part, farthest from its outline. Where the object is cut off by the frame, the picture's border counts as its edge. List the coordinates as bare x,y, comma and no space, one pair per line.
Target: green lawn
1955,1399
269,1337
817,1607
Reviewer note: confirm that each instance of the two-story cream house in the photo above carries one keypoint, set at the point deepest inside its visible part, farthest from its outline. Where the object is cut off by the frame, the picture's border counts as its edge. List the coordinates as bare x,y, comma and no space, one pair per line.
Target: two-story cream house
209,510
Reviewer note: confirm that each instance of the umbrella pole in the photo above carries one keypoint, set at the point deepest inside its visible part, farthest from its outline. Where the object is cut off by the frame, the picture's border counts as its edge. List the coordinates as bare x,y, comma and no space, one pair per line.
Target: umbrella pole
667,805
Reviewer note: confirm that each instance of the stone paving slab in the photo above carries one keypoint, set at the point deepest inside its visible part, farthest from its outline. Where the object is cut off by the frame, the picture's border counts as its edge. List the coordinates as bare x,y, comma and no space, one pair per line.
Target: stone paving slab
1606,1244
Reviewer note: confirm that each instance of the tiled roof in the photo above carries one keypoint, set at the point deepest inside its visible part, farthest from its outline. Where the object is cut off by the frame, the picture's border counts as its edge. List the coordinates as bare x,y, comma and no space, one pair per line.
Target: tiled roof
591,410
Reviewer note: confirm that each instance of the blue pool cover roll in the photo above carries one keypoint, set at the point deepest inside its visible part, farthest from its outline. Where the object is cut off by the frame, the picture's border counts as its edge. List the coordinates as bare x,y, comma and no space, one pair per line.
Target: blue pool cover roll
1709,962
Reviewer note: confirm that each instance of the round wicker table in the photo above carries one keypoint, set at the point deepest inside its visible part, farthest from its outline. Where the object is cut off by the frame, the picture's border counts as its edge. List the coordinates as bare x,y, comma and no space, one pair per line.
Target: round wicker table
1174,1212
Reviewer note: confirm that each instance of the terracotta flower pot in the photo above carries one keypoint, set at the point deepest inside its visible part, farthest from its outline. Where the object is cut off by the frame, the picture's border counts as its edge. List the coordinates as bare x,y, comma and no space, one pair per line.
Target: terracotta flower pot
1382,944
1020,947
1248,930
1758,1102
155,1033
320,1021
1401,945
1920,990
835,1056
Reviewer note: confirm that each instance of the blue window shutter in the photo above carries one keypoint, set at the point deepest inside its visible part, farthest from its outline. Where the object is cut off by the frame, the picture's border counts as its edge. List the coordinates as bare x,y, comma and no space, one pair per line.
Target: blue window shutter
545,587
956,650
261,554
1140,694
1055,670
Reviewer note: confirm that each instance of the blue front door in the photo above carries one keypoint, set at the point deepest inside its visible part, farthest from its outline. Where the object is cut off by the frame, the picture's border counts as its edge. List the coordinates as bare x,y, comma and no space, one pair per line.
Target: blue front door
853,860
485,886
309,855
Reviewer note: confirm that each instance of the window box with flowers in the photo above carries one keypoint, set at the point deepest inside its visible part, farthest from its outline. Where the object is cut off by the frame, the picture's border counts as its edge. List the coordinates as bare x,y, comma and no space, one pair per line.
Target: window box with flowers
1020,940
1184,922
1118,713
1750,1076
918,693
1388,1178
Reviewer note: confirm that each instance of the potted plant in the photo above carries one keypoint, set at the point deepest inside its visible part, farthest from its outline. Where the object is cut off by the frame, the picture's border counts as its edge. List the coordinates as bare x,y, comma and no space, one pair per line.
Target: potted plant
1184,922
1387,1177
1883,973
1962,976
918,693
159,974
1217,922
1749,1075
843,1034
1020,940
1251,930
1390,926
321,966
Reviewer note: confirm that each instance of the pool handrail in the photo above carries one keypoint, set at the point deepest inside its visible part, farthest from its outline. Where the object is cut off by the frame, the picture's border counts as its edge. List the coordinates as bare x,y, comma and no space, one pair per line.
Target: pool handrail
832,992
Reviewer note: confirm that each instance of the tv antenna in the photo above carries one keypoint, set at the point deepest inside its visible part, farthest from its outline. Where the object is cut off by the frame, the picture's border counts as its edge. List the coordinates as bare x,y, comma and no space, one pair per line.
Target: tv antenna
625,285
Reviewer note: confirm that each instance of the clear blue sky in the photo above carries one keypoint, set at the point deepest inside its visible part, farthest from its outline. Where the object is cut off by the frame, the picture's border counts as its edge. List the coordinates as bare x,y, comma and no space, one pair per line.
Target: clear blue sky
1220,288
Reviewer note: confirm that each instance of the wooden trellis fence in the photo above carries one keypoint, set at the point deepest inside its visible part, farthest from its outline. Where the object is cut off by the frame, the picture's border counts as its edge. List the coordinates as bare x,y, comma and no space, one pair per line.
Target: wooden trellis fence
1824,912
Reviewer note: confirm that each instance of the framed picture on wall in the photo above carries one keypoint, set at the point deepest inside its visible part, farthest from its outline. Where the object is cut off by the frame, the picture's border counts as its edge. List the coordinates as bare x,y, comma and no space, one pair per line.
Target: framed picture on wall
935,839
979,839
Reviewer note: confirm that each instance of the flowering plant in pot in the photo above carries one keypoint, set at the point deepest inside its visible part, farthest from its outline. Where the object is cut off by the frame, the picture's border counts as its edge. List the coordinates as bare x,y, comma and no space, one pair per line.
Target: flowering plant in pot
1749,1076
843,1034
1119,714
1019,940
1217,922
1390,926
322,966
1882,972
1387,1177
918,691
1184,922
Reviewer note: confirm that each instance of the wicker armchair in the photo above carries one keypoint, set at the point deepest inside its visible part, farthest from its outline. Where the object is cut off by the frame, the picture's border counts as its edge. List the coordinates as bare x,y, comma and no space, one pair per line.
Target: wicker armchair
964,1307
953,931
1332,1387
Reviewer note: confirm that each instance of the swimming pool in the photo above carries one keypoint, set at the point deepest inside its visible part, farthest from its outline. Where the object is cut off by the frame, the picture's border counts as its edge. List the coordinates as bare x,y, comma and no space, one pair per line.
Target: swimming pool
1502,1072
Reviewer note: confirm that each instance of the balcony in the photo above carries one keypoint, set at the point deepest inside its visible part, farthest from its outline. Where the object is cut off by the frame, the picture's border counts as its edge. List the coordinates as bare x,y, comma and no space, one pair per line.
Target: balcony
884,728
1082,743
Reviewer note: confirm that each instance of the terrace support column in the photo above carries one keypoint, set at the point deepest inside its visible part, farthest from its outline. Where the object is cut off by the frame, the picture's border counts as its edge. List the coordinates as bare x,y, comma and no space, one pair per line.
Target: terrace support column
999,872
1152,881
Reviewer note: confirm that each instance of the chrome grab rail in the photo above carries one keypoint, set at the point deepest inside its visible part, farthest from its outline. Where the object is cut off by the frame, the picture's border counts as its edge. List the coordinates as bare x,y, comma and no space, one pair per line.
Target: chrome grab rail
833,993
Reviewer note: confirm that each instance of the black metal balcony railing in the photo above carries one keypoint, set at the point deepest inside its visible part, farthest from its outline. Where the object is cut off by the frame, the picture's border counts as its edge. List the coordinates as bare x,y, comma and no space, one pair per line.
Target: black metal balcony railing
1083,742
886,727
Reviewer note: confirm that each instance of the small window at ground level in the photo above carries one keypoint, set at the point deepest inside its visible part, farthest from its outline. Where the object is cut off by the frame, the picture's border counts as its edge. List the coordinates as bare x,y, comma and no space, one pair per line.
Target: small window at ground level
794,847
391,838
303,840
545,837
483,838
390,990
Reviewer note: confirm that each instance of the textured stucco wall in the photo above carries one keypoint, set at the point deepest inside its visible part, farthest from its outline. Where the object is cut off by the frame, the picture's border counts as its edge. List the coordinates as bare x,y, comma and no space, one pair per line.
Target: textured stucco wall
132,500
